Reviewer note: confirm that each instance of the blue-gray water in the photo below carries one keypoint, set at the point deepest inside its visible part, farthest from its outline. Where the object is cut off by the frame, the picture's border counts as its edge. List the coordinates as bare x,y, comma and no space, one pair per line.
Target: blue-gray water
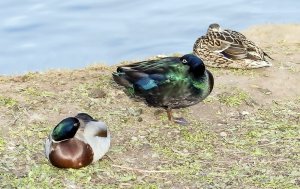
39,35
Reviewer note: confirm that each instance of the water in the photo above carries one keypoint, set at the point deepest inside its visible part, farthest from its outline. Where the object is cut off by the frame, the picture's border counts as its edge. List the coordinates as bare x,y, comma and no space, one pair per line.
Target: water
40,35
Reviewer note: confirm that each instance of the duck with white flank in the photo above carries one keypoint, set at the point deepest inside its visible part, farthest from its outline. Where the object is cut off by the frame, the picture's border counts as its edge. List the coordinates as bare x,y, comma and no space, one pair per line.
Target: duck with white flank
77,142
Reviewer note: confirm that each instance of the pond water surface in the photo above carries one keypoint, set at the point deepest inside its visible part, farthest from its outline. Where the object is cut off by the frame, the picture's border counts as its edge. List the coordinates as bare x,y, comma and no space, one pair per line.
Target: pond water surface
39,35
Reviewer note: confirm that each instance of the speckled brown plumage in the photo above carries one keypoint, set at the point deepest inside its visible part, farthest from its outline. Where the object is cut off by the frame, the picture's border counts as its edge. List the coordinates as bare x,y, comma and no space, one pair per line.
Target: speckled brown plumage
228,48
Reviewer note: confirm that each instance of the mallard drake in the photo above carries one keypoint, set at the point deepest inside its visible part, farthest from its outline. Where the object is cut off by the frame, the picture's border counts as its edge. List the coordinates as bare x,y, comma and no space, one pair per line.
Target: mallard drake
228,48
77,141
170,82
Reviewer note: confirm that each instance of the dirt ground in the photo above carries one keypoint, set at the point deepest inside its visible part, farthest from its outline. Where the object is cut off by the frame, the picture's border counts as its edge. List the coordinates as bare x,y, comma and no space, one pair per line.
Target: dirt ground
246,134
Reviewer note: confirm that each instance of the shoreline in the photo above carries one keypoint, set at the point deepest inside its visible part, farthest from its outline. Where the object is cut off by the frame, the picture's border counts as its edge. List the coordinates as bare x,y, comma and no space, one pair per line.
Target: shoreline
250,32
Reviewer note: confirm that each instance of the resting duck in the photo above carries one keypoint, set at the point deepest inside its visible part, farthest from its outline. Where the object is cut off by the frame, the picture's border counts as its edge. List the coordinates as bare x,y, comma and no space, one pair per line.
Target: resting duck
77,141
170,82
227,48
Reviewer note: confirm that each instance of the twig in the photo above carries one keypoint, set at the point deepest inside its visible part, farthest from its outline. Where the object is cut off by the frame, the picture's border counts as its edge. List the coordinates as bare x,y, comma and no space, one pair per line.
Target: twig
143,170
15,121
267,144
108,157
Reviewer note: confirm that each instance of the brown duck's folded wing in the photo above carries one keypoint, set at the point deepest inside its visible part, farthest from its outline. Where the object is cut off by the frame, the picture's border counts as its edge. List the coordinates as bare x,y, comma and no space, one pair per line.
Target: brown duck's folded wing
235,47
236,34
235,52
249,45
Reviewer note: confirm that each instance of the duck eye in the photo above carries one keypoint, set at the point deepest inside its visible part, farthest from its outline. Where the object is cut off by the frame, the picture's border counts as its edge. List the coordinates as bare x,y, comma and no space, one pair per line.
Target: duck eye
184,61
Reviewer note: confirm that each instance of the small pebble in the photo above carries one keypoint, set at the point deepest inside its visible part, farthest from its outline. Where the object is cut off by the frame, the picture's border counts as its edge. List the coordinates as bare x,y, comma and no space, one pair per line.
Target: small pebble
265,91
185,151
223,134
244,113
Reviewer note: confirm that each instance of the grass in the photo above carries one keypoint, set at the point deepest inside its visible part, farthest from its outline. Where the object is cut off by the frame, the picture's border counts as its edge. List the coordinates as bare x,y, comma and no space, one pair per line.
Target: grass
218,149
233,98
2,144
8,101
34,91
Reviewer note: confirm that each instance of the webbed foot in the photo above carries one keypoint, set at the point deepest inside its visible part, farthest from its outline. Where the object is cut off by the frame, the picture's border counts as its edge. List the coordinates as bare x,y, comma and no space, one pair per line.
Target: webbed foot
181,121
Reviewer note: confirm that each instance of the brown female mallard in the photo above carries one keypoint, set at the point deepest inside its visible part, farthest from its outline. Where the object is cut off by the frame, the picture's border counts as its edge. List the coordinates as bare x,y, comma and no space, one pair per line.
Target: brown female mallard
228,48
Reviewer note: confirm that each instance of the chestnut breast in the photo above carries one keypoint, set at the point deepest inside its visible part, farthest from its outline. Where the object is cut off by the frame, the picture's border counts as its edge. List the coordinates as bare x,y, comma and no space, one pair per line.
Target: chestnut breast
71,153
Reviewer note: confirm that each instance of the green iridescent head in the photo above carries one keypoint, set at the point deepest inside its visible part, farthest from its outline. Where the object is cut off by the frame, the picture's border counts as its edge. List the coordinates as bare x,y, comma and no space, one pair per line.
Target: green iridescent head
66,129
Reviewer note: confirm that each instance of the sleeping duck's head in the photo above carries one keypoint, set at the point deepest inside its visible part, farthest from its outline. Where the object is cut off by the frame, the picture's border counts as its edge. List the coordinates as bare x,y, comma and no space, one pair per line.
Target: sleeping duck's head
196,64
85,117
214,27
66,129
